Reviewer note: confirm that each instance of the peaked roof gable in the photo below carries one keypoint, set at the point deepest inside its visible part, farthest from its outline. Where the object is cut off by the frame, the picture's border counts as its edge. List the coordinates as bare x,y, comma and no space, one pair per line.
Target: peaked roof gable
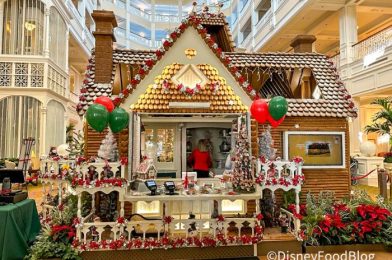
147,65
174,53
335,101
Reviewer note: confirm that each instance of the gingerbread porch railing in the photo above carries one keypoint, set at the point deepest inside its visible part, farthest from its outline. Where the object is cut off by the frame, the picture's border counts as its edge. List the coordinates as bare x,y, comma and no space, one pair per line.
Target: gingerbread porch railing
285,175
145,229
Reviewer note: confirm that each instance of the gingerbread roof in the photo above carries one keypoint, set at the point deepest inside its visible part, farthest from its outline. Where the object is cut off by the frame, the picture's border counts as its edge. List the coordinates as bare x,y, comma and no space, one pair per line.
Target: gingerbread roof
157,97
334,101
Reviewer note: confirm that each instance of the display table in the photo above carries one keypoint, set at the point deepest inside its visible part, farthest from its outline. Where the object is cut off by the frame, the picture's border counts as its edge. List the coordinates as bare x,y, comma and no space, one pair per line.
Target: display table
19,227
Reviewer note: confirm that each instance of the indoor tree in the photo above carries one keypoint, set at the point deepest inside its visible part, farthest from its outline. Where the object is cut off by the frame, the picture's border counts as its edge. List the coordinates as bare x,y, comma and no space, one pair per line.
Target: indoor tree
382,120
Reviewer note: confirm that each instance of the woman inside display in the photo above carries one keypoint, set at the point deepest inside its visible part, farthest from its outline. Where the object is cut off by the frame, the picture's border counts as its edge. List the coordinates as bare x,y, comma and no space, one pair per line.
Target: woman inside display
200,160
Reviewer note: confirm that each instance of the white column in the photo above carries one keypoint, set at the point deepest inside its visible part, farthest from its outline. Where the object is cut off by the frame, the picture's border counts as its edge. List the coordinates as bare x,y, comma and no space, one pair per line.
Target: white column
253,22
43,147
348,33
1,25
180,10
67,52
79,212
355,128
153,13
128,24
81,9
47,31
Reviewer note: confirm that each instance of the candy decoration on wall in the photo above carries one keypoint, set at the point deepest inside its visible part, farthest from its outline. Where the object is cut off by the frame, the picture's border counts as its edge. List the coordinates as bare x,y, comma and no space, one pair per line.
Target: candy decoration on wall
278,107
106,102
97,117
259,110
118,119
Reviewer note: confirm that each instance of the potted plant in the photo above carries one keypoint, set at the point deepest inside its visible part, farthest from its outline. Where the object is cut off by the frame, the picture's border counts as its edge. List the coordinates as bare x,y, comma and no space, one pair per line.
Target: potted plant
355,224
388,160
382,120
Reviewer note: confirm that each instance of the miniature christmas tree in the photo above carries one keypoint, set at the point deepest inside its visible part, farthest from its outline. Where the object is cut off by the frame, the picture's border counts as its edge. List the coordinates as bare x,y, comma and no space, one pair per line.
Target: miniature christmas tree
266,149
75,141
108,149
242,172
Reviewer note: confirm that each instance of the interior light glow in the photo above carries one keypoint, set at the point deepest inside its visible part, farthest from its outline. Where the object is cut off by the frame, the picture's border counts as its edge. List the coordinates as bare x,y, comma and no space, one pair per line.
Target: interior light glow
383,139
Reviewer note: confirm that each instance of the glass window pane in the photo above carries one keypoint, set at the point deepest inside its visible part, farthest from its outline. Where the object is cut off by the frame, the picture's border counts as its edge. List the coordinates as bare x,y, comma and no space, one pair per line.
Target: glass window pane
165,145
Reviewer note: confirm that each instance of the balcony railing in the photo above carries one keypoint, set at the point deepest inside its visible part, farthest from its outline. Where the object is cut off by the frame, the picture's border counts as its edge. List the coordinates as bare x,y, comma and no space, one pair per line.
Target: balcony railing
136,11
32,74
79,26
267,17
246,43
336,60
139,39
145,229
167,18
373,44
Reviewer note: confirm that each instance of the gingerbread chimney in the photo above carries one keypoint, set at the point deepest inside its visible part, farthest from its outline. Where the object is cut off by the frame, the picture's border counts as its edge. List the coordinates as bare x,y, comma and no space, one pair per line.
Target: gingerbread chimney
303,43
105,22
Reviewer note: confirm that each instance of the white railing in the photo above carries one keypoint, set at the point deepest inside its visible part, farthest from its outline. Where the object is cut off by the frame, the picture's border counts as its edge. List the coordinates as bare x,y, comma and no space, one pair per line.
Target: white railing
51,168
336,60
278,174
294,224
140,13
139,39
373,44
146,228
23,74
32,72
79,26
246,43
120,32
279,3
167,18
101,170
267,18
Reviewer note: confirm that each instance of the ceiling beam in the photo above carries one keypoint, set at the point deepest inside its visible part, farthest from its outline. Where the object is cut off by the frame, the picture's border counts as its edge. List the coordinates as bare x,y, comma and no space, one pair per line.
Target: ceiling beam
324,22
374,9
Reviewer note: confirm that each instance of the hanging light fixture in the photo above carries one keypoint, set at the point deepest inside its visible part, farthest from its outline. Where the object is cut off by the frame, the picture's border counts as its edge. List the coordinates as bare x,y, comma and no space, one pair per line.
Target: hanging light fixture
30,26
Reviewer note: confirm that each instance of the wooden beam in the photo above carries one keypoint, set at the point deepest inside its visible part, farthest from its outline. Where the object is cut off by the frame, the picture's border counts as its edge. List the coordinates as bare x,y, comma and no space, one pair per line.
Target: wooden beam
374,9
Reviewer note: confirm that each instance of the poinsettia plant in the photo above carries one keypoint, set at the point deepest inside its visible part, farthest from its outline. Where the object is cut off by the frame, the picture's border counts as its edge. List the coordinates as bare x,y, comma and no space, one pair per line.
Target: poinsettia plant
348,222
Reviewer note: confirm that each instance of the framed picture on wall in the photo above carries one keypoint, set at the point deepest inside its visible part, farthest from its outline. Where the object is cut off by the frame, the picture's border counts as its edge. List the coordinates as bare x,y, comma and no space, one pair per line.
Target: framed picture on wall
318,149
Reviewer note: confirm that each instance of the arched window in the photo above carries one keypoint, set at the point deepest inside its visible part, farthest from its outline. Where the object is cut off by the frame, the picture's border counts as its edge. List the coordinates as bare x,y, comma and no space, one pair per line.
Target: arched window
19,118
23,27
55,124
57,38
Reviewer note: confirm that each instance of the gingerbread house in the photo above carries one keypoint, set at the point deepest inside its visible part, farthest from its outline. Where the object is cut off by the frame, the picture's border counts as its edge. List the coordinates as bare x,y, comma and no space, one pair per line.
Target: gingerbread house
197,84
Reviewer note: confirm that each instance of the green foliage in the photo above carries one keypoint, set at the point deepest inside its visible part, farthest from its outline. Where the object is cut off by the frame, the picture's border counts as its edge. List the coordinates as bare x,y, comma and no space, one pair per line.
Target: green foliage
288,198
382,120
75,141
355,220
45,247
388,159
